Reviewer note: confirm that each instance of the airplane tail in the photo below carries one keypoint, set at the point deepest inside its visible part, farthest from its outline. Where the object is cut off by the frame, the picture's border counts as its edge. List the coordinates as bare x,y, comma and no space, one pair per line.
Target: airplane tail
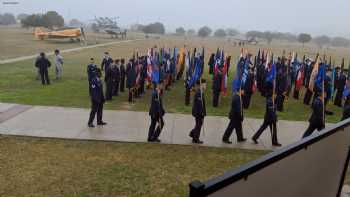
39,33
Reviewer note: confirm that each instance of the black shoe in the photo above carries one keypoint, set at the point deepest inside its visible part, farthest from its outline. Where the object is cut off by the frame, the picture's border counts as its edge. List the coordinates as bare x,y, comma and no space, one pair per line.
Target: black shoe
156,140
197,141
227,141
242,140
101,123
255,141
191,135
276,144
91,125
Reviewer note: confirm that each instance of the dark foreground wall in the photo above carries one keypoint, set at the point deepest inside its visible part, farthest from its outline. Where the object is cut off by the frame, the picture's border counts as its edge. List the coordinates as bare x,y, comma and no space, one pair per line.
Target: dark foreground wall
315,166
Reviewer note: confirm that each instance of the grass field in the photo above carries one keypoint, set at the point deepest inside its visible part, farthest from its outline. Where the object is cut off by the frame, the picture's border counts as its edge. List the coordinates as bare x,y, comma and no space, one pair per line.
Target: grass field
18,82
38,167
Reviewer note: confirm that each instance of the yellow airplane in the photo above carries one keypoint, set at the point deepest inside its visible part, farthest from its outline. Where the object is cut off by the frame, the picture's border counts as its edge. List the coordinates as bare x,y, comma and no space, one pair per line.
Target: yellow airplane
70,33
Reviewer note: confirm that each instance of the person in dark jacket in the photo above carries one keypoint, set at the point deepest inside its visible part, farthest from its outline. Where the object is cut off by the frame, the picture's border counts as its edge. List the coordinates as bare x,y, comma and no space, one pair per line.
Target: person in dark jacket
116,77
281,90
97,99
340,88
346,109
156,112
248,89
109,82
211,63
130,79
270,119
217,88
316,120
198,111
122,75
42,63
236,119
106,62
91,72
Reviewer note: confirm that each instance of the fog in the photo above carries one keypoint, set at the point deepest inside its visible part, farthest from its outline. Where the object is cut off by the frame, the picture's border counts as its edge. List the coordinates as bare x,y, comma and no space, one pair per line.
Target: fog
312,16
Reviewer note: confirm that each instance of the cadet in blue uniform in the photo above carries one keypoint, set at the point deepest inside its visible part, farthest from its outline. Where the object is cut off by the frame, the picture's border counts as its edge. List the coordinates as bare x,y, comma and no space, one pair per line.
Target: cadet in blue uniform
91,71
270,119
106,62
316,120
42,63
248,89
122,75
198,112
340,88
116,77
131,79
97,99
109,82
236,119
217,88
156,112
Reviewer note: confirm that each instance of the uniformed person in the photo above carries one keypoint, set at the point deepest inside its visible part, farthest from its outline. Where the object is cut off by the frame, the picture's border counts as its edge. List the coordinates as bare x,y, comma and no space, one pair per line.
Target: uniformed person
316,120
58,62
106,62
156,112
236,119
270,119
109,82
340,88
211,63
217,88
97,99
42,63
248,89
116,77
122,75
198,111
346,110
131,79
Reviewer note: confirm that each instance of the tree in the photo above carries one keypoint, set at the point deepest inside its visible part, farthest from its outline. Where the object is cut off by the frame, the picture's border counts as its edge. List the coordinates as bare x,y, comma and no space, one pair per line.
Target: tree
191,32
220,33
204,31
154,28
180,31
7,19
22,16
340,42
321,40
53,19
304,38
268,36
75,23
232,32
34,20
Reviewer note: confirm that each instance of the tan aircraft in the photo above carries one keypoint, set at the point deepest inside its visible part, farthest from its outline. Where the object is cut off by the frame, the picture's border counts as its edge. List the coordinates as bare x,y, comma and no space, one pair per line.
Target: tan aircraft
67,33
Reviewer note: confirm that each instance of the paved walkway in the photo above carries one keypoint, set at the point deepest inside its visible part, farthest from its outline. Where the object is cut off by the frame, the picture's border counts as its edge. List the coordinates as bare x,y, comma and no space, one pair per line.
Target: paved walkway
66,51
129,126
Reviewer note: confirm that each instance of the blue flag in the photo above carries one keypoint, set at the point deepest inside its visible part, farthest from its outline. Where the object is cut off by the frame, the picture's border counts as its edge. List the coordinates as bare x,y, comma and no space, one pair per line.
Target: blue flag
271,75
197,72
320,77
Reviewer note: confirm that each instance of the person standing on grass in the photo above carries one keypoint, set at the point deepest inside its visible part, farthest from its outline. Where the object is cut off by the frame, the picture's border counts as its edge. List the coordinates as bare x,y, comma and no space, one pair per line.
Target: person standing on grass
131,79
116,77
217,82
58,63
91,71
198,111
109,82
122,75
106,62
42,63
156,112
97,100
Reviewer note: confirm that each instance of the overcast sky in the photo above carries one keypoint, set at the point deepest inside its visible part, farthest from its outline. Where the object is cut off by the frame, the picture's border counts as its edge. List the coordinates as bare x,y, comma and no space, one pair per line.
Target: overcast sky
317,17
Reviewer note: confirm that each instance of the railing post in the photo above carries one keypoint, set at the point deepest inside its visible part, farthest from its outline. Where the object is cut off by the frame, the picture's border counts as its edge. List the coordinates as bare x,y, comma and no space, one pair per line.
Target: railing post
196,189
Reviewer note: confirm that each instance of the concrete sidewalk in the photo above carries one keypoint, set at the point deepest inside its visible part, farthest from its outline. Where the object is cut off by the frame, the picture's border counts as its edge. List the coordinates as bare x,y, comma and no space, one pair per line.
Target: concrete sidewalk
130,126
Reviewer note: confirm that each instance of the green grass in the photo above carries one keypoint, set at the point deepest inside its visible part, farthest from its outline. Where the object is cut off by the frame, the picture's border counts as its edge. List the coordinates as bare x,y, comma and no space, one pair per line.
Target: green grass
41,167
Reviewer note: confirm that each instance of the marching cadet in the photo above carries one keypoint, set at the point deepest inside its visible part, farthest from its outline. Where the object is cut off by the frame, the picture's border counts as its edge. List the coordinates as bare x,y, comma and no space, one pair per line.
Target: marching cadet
122,75
270,118
156,112
131,79
106,62
316,120
217,88
109,82
211,63
97,99
116,77
58,63
309,93
248,89
281,89
198,111
42,63
236,119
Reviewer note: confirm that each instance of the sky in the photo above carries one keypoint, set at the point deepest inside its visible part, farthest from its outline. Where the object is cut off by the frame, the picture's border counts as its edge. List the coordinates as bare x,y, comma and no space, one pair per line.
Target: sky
317,17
